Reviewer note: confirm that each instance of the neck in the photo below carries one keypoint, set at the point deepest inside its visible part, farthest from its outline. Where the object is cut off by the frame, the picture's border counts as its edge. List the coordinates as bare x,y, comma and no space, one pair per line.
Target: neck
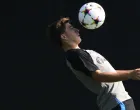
66,48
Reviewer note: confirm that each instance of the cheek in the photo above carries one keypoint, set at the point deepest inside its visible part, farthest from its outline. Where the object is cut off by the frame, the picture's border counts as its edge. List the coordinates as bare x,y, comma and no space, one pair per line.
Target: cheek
68,34
71,35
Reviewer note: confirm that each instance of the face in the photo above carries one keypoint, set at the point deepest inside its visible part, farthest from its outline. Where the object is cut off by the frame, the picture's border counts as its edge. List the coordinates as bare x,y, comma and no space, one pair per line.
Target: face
71,35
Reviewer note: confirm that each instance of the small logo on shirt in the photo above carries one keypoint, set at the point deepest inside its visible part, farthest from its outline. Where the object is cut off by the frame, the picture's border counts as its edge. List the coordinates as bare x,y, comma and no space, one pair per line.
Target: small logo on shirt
100,60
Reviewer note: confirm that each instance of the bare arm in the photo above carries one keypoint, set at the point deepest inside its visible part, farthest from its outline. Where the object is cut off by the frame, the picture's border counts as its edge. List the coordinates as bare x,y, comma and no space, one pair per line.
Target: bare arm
119,75
124,70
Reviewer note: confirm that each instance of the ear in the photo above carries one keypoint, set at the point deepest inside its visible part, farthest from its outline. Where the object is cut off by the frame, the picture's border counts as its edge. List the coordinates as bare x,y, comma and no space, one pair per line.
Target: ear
63,36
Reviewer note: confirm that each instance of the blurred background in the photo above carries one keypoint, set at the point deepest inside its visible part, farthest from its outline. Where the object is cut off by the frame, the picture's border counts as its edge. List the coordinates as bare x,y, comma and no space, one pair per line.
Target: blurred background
35,74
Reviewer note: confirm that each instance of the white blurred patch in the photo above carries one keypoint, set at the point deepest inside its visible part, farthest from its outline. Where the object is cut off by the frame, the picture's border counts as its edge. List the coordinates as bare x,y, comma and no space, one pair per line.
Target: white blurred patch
88,19
83,8
81,16
96,11
93,26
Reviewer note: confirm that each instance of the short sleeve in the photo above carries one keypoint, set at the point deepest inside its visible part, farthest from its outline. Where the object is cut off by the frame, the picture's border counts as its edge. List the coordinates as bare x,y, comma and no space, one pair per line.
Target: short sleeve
81,61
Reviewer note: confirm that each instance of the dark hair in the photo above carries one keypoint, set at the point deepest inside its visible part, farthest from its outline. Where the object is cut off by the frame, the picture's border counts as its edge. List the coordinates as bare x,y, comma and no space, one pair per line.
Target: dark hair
56,29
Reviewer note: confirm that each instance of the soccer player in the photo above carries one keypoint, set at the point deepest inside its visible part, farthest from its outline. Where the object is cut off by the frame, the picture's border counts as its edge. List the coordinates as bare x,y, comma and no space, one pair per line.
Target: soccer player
92,69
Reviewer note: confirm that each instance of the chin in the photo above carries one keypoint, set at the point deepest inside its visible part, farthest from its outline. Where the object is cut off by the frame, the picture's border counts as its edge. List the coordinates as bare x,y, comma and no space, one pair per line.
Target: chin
79,41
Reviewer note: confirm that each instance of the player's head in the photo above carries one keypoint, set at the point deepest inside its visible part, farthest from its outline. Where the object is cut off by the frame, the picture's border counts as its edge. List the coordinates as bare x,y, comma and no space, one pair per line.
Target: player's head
64,34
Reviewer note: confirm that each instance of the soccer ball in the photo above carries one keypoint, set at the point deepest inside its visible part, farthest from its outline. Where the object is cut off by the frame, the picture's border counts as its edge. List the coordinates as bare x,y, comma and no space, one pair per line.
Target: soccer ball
91,15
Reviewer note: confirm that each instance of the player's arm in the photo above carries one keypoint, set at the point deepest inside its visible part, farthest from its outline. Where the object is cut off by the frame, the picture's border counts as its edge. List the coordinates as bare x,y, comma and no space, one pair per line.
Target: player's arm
85,64
133,74
119,75
111,76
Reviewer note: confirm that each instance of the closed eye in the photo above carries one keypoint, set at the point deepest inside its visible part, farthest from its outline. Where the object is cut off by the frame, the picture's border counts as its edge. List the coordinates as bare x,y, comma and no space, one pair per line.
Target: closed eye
71,27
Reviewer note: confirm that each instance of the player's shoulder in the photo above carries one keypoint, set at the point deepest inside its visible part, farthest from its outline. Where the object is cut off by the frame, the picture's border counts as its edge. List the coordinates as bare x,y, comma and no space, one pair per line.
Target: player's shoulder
77,53
91,51
73,52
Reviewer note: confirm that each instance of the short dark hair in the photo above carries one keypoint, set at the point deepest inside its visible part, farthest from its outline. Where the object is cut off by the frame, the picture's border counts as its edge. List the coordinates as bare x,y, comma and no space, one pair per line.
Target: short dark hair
56,29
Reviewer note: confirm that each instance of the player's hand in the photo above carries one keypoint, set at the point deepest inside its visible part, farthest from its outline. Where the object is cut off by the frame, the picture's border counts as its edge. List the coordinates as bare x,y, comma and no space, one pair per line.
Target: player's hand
135,74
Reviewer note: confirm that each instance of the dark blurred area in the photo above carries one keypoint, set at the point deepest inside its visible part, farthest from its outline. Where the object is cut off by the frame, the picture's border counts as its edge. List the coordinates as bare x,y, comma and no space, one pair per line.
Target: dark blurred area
35,76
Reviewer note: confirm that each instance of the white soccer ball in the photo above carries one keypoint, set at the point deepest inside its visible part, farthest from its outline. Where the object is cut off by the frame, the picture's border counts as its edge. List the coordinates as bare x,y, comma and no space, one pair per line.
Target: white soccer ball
91,15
